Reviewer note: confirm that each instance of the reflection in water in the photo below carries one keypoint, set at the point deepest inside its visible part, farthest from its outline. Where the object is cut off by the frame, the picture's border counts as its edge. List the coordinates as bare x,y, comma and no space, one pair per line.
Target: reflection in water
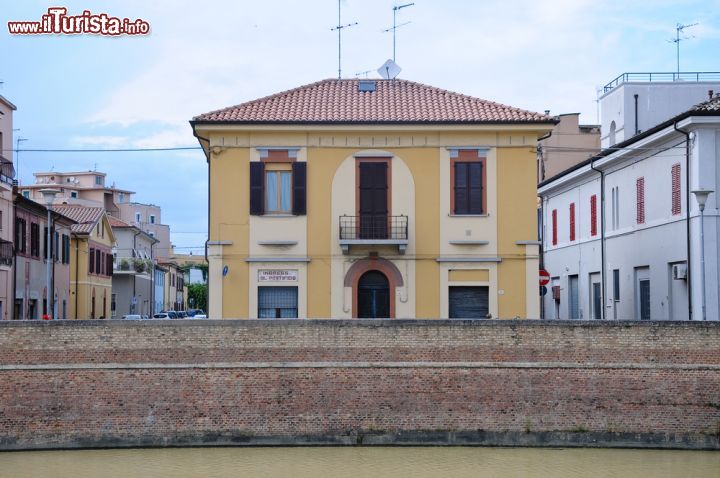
302,462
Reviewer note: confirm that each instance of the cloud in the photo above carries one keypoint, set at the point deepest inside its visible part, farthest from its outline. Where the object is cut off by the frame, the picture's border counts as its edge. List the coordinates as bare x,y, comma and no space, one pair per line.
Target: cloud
99,140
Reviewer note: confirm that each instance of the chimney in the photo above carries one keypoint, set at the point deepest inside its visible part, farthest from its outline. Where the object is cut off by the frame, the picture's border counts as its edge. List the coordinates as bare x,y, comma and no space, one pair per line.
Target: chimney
710,94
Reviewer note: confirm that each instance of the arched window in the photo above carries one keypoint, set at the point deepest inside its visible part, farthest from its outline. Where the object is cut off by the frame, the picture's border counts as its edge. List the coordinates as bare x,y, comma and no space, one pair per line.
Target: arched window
611,136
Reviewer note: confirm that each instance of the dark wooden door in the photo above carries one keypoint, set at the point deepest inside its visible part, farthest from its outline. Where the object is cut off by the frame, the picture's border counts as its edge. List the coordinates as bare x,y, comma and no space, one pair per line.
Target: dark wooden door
373,299
373,200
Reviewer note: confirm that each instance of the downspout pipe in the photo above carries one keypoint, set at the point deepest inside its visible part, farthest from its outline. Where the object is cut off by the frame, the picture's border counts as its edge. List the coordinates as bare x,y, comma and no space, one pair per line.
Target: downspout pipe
636,113
602,237
687,215
134,277
77,273
209,154
15,263
541,221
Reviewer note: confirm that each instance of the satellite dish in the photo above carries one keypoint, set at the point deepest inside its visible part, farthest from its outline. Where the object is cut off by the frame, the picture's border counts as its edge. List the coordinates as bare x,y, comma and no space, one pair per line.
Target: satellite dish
72,179
389,70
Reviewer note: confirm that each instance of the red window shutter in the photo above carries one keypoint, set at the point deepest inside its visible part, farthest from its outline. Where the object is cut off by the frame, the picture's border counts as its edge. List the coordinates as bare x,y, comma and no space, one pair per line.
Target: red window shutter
676,203
572,221
554,227
640,200
593,215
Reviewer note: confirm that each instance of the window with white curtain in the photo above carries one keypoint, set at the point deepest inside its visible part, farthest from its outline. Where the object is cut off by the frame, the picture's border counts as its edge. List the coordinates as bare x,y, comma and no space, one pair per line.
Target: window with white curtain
278,192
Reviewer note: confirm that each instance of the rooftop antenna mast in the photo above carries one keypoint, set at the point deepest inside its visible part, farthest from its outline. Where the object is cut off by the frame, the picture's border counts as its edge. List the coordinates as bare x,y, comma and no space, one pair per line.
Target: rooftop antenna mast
678,29
395,26
339,29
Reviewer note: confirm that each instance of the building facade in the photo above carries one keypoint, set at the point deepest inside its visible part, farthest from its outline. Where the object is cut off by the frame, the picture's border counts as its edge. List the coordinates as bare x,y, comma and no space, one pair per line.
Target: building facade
372,198
7,223
133,270
148,218
622,231
569,144
32,254
91,269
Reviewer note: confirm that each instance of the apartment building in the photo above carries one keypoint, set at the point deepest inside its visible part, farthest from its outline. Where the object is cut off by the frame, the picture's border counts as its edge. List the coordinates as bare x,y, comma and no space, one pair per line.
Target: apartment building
32,254
623,231
372,198
91,269
7,173
133,270
569,143
90,189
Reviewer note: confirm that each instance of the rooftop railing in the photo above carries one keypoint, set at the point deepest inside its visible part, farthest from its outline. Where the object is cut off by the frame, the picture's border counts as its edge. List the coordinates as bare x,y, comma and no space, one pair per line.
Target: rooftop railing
690,76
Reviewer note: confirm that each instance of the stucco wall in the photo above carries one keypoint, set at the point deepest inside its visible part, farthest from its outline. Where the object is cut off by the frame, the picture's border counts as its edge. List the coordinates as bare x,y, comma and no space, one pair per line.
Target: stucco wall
248,382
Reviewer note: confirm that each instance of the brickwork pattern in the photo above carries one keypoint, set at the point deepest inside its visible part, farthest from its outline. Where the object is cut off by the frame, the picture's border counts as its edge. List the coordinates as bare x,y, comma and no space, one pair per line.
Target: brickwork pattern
70,384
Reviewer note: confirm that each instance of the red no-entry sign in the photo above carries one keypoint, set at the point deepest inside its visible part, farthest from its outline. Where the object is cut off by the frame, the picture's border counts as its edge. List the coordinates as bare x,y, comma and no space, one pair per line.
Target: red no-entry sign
544,277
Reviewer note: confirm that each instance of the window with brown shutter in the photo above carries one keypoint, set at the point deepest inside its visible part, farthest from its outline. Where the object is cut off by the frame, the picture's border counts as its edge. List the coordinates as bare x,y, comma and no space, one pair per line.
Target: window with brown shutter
572,221
593,215
299,188
640,200
257,188
554,227
91,261
676,202
467,173
97,263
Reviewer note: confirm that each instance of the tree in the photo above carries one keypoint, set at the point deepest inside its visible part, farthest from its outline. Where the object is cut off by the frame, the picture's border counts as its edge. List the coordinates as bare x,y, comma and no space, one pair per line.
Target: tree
197,295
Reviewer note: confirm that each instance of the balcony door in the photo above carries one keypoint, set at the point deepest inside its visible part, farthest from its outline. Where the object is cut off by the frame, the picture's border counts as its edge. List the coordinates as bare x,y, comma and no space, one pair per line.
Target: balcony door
373,199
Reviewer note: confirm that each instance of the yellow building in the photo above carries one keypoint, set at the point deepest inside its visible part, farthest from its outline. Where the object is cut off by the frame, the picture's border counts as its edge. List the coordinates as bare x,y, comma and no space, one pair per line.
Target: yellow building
91,262
372,198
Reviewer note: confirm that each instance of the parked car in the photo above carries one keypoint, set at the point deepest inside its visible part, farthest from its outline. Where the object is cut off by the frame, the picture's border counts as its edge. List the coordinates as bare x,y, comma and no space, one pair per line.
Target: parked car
200,316
162,315
133,317
182,314
171,314
194,312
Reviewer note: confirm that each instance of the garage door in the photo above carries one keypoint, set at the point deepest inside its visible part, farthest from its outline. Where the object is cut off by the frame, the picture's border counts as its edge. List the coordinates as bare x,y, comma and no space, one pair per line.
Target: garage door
469,302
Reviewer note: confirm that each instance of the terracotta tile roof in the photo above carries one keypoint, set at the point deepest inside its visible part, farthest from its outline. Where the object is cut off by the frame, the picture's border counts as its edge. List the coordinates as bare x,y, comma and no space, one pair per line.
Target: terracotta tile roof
712,106
86,217
115,222
393,101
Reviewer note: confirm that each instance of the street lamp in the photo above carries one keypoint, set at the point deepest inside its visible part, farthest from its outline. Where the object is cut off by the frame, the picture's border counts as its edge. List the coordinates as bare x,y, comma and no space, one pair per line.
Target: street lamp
49,196
701,195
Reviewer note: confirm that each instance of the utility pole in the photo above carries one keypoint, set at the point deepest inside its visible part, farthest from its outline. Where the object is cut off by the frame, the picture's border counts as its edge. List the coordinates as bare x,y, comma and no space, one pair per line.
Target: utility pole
395,25
339,28
678,29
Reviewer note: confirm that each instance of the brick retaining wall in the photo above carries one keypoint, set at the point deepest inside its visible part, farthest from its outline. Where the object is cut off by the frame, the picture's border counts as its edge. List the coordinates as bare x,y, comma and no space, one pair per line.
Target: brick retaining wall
156,383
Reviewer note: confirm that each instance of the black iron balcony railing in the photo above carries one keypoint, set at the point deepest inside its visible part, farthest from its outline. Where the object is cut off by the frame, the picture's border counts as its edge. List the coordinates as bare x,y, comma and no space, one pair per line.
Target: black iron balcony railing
374,227
6,253
7,170
695,76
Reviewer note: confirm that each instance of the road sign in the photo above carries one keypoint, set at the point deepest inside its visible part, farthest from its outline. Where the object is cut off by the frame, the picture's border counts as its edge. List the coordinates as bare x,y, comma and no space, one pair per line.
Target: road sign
544,277
543,290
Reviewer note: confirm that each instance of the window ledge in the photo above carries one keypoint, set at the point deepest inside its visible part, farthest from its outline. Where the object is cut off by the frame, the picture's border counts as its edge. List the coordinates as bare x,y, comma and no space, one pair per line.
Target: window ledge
468,215
278,215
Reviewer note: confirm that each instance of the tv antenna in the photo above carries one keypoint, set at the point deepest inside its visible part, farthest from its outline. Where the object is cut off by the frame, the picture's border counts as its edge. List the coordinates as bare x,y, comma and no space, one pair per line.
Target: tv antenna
679,29
364,74
340,27
395,26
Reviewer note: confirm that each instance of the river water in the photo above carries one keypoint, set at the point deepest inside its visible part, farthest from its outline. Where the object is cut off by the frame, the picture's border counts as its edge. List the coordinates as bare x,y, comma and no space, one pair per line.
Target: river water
435,462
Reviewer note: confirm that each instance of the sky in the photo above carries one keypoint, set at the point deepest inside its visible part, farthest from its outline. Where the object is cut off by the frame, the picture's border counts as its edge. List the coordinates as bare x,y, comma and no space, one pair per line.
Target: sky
95,92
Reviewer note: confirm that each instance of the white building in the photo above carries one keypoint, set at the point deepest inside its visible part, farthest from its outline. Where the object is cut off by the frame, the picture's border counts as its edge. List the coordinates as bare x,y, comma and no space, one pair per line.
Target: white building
635,102
617,227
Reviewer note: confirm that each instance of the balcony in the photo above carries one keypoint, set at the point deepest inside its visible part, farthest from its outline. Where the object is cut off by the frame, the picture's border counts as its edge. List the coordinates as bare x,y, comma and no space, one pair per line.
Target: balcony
373,230
7,171
6,253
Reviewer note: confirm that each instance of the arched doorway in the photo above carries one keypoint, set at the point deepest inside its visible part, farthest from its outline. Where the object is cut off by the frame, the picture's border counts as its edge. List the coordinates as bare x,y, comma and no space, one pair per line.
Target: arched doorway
373,296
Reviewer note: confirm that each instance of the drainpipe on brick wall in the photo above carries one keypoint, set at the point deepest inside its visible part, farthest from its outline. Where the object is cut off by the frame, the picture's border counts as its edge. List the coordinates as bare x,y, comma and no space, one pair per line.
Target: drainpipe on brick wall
15,266
541,219
602,237
134,277
687,215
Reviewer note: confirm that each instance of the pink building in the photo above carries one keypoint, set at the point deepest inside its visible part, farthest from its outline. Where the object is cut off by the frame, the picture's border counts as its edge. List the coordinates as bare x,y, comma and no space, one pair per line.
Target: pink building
7,173
31,253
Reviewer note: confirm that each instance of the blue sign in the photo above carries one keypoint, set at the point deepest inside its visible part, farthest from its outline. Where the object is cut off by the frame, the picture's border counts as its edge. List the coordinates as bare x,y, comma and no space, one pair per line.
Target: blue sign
543,290
225,271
